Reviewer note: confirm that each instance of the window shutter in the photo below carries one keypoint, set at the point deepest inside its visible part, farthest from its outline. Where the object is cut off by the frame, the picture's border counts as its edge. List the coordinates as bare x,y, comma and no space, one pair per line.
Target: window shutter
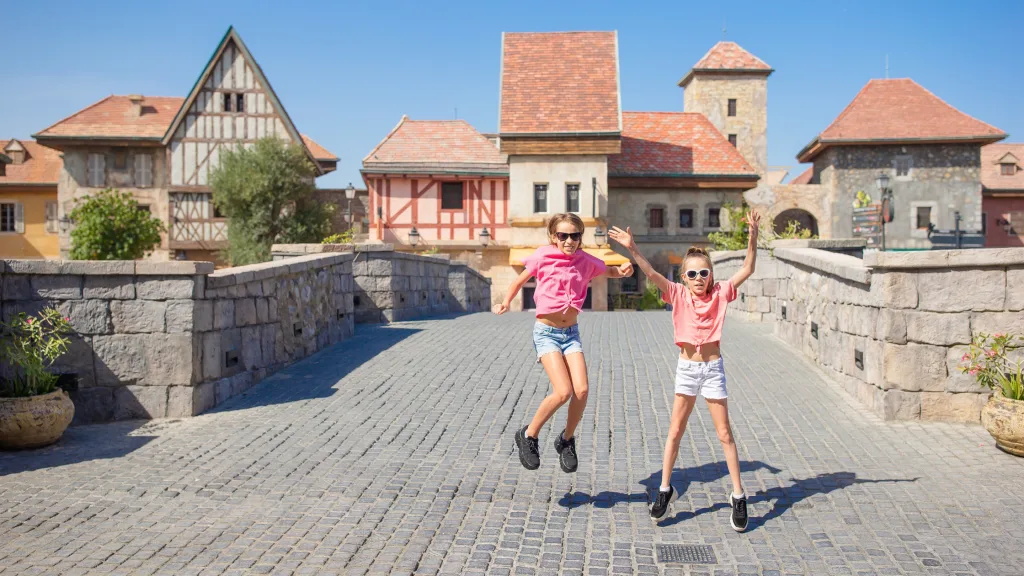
51,217
97,166
143,170
19,217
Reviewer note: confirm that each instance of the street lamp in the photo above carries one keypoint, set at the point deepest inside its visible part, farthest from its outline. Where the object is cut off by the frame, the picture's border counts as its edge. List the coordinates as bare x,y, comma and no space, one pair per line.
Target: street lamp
65,223
350,193
485,238
414,237
887,211
600,237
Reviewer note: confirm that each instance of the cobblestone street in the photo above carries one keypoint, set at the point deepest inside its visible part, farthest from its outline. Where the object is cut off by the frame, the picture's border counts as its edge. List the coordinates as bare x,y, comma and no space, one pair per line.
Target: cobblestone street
393,453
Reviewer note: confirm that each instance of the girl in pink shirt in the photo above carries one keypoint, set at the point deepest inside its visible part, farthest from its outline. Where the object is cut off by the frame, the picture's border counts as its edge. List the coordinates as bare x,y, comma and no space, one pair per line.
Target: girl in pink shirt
698,313
563,271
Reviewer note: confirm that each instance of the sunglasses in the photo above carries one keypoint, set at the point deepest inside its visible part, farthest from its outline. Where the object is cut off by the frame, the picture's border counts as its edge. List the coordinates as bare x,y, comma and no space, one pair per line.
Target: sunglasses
692,274
563,236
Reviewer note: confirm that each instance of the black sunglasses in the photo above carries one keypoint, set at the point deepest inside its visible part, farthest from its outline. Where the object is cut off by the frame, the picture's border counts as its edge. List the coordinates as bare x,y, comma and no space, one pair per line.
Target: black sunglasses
563,236
704,273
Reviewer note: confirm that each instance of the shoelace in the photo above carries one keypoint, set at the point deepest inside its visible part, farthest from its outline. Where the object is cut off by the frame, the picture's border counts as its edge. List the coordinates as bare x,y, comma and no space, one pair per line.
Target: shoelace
662,500
741,508
533,444
571,445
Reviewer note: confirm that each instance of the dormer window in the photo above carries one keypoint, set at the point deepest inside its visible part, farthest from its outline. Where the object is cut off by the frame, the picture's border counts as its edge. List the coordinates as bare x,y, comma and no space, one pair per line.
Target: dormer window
1007,169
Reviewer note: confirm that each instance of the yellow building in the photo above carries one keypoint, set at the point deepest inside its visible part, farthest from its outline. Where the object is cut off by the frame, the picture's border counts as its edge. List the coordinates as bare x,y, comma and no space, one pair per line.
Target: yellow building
28,200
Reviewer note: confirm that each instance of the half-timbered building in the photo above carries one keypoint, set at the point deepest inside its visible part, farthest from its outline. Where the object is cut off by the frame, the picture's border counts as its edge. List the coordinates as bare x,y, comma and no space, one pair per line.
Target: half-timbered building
163,149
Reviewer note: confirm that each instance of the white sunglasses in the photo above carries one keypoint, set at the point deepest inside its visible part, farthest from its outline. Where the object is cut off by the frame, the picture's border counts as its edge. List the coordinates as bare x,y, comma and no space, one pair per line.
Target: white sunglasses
692,274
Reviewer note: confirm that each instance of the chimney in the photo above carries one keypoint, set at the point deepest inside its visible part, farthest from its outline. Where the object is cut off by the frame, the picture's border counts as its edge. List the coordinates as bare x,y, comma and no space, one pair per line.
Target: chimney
136,100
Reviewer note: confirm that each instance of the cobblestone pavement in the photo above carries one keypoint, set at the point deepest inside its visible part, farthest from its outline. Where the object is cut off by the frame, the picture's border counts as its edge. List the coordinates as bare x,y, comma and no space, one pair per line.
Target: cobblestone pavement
393,453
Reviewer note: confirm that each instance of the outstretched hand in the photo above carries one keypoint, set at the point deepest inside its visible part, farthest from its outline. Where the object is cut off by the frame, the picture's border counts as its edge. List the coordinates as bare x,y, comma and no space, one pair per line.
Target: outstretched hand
626,270
499,308
754,222
624,237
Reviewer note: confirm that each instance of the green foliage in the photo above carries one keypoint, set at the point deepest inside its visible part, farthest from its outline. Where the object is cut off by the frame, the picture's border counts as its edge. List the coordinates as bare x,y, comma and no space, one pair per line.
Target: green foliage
110,226
651,299
794,232
432,251
863,200
987,361
345,237
736,234
266,193
29,345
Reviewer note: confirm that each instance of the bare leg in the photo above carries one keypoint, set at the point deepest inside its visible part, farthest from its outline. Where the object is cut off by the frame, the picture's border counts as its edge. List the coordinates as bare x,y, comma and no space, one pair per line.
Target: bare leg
558,372
580,389
720,416
681,409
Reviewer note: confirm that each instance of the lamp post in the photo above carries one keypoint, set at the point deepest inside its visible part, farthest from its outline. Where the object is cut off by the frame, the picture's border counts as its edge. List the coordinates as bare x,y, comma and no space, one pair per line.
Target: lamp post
485,237
65,223
350,193
414,237
887,211
600,237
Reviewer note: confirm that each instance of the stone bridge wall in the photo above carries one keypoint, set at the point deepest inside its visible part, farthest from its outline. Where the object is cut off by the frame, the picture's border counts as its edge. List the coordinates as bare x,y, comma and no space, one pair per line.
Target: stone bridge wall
892,327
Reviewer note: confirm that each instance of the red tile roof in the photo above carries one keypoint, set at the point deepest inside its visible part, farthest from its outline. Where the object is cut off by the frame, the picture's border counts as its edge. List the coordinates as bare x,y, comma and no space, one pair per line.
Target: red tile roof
559,82
900,110
112,117
991,172
674,143
318,151
803,178
435,143
724,57
42,165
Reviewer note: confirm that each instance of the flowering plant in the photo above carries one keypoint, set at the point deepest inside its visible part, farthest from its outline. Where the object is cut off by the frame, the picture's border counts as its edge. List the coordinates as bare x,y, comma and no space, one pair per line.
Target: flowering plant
987,361
29,345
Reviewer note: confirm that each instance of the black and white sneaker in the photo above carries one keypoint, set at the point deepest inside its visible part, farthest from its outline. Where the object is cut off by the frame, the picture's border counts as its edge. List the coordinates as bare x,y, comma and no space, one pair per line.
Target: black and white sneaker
529,450
567,457
662,502
738,519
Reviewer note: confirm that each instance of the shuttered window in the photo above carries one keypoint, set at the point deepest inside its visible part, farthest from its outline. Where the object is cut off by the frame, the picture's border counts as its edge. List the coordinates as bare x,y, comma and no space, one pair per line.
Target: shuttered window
143,170
51,217
97,167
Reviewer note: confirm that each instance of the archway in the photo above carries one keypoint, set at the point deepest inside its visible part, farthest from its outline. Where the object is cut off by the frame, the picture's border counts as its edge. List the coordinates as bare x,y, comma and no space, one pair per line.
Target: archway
802,217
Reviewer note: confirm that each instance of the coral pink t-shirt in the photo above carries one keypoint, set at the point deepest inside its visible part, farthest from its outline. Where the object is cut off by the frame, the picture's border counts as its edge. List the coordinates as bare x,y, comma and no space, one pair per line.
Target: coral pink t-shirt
561,279
699,320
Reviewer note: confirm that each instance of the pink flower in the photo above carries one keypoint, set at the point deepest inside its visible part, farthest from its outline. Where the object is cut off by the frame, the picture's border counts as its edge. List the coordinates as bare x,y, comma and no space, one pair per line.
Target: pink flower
973,371
29,321
965,357
998,335
990,353
67,319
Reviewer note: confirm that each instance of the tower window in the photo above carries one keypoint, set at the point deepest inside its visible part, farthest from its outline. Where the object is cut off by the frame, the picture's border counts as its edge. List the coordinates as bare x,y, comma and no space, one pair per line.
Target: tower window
732,106
732,140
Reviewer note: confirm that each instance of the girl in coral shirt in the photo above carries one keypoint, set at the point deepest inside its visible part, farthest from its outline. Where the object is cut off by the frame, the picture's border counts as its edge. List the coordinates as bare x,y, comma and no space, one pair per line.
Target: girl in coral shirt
563,271
698,313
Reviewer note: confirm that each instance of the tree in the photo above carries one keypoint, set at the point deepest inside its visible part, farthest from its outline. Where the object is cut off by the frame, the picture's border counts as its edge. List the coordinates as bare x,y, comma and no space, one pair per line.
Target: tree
110,226
266,193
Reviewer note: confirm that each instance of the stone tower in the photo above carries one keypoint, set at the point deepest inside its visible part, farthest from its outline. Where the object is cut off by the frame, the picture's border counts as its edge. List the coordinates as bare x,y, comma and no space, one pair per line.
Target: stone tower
730,87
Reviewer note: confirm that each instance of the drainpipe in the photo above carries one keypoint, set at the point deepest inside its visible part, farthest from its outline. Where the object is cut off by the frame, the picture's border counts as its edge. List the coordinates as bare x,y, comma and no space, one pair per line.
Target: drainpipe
593,206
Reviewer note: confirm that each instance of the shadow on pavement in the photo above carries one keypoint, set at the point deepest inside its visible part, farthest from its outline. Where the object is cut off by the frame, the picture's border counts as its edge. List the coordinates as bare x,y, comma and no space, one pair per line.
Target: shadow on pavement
85,443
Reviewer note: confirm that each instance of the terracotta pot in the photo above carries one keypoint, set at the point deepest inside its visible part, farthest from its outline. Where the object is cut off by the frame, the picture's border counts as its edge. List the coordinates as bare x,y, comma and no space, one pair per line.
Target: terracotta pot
1004,420
34,421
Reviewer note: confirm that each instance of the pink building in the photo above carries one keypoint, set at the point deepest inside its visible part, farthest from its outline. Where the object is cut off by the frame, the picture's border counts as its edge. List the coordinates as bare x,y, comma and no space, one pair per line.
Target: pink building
1002,203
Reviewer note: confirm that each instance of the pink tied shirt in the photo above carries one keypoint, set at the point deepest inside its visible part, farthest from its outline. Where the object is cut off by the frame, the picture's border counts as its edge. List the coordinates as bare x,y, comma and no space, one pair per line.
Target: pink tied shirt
699,320
561,279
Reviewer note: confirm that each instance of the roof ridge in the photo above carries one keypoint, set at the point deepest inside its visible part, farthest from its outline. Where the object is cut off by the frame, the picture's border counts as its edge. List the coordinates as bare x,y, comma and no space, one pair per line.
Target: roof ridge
405,117
953,108
72,115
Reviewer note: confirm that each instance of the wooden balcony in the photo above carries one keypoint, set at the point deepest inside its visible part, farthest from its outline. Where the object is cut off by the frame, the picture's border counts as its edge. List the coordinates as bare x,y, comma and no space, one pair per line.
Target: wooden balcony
198,234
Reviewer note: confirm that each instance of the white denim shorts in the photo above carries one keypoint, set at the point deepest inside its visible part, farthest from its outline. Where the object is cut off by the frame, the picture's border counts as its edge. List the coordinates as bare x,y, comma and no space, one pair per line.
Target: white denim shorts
704,378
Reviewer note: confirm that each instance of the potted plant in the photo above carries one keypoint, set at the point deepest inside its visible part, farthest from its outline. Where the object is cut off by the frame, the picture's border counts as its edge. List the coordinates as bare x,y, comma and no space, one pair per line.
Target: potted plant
1003,416
33,411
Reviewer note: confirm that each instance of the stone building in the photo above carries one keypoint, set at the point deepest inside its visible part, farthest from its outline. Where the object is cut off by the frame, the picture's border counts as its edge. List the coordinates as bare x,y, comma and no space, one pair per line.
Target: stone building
161,150
28,200
1002,203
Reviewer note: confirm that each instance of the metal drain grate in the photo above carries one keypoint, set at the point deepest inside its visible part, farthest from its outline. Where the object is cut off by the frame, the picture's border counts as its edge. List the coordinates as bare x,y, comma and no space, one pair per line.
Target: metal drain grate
686,554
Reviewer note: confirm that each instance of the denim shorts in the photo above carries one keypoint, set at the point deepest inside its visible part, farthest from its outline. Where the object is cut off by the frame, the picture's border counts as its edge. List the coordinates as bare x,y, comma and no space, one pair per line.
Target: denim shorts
704,378
548,339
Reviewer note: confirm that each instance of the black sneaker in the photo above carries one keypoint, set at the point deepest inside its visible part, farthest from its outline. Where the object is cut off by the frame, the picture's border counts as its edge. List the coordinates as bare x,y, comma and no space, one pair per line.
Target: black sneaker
529,450
566,449
662,501
739,513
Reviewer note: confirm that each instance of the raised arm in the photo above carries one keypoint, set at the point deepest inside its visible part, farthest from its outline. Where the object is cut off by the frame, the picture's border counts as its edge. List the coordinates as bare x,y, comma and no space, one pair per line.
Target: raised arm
513,289
741,275
625,237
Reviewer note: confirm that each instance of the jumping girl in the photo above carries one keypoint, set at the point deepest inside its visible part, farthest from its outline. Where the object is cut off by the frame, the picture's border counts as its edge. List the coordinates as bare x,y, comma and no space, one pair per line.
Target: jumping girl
698,313
563,271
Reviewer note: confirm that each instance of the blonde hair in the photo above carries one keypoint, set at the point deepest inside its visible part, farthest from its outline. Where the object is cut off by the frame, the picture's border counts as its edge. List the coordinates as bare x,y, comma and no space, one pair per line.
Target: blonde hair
569,217
699,252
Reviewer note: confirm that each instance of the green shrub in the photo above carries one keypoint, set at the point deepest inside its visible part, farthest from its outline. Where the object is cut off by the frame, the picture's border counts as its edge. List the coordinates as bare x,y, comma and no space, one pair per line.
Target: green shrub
109,225
29,345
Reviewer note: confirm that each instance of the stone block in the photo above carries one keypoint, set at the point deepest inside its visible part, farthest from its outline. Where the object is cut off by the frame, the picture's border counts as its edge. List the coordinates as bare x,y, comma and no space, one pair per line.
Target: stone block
88,316
1015,289
269,287
899,405
273,310
874,362
245,312
940,329
109,287
898,289
997,322
915,367
268,343
57,287
168,359
17,287
212,355
857,320
252,355
180,316
961,290
379,267
133,402
947,407
78,360
237,291
770,287
956,380
119,359
865,394
93,405
223,314
203,397
254,289
165,287
146,267
262,311
202,316
891,326
180,401
367,283
222,390
138,316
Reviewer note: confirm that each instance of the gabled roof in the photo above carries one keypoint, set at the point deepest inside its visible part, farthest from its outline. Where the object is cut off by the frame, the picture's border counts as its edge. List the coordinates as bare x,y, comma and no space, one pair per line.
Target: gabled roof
679,144
559,83
435,146
114,118
899,110
727,57
803,178
992,156
41,167
318,151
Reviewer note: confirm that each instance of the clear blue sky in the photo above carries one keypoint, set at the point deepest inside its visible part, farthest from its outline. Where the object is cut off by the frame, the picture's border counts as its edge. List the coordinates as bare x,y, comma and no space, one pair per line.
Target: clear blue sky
347,71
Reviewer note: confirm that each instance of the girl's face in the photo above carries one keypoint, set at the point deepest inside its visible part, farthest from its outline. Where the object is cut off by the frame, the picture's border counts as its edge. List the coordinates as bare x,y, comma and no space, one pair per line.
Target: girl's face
703,277
567,238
